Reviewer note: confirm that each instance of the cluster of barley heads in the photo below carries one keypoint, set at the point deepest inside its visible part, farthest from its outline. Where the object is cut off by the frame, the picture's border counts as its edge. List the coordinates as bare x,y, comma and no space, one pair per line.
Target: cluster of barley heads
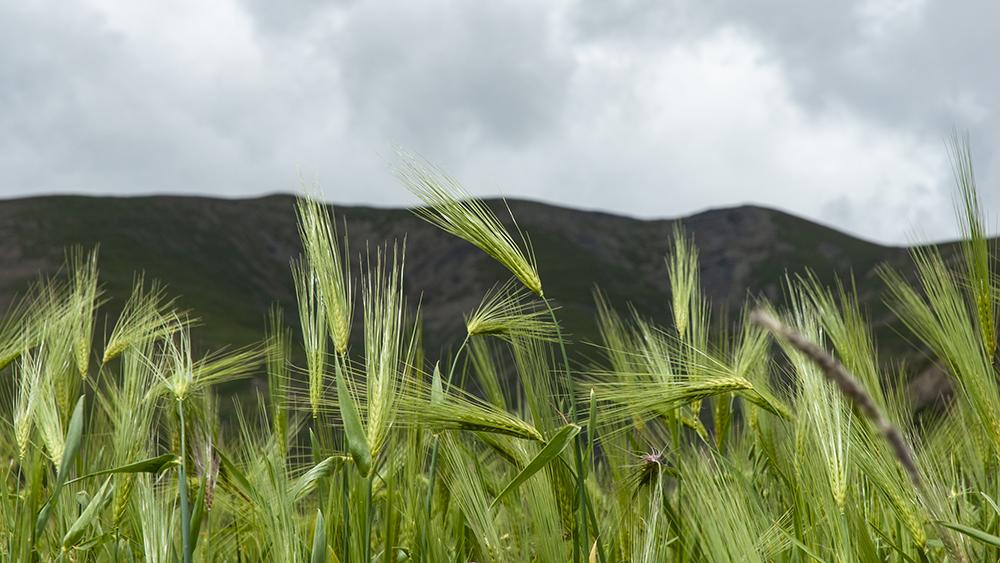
781,435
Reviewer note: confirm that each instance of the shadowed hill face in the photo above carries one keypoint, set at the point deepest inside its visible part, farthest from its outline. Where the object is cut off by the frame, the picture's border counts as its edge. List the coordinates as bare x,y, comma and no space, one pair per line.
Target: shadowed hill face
228,260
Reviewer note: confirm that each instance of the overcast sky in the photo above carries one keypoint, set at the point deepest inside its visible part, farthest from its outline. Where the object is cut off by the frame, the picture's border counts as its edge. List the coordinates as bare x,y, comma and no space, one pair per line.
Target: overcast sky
837,111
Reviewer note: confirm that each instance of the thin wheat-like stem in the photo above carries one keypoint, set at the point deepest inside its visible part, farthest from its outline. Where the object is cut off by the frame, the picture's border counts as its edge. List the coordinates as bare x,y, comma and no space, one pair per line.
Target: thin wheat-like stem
182,489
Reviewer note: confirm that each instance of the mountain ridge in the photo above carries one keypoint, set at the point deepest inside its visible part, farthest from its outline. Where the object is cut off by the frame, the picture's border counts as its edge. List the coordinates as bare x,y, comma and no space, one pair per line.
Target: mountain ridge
520,200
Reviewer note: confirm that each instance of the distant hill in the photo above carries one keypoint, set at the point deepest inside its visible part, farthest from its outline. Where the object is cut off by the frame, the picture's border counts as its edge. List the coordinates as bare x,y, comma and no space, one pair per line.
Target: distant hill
228,259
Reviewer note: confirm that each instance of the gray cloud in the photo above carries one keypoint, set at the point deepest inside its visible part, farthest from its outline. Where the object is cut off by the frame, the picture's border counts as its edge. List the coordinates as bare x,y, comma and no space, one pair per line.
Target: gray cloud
836,111
915,65
454,71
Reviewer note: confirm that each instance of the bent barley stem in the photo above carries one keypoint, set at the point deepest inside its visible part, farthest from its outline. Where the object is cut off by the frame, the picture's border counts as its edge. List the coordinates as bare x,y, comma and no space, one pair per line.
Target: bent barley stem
367,547
454,365
430,496
346,507
837,374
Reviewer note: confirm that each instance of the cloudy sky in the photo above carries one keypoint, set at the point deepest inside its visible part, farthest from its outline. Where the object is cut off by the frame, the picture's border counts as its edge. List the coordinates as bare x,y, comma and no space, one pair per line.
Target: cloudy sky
837,111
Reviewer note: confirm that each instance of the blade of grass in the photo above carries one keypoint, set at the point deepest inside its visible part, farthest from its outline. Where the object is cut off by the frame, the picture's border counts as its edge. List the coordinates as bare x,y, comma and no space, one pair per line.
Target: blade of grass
354,430
151,465
553,448
74,438
88,516
319,539
974,533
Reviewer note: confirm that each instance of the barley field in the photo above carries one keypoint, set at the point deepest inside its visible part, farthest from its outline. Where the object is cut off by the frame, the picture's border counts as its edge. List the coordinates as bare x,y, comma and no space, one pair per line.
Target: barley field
782,435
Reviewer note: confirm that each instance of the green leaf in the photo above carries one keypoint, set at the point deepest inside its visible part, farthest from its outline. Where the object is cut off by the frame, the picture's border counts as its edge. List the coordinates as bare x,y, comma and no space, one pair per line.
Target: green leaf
552,449
74,435
974,533
303,485
993,503
88,515
354,431
319,539
151,465
233,476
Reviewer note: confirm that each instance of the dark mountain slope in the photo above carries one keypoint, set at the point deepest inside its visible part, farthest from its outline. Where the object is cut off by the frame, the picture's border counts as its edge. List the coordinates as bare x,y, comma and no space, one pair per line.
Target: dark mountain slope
228,259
